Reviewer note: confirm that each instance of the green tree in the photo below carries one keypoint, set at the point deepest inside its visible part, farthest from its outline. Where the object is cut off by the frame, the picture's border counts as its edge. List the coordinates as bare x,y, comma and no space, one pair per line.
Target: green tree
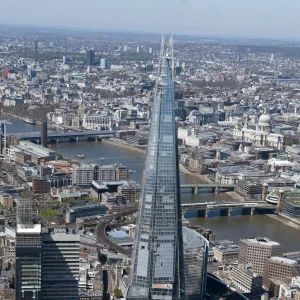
117,293
48,214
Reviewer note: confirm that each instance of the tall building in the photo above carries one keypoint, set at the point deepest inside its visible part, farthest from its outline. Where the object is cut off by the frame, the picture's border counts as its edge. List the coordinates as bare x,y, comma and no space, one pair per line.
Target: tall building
255,251
44,134
90,57
28,253
103,63
2,138
195,263
36,52
60,264
157,260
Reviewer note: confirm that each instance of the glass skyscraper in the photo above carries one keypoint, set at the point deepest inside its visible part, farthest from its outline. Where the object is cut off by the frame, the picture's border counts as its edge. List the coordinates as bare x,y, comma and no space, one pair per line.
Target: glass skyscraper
157,261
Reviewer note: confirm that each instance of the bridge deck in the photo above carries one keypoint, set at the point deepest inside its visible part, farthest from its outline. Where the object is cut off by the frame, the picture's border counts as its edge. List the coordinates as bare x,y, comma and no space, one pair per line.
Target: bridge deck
33,135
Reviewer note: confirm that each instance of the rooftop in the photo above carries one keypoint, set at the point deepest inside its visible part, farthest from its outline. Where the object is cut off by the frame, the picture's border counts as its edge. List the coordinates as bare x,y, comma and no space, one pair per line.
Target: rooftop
283,260
262,241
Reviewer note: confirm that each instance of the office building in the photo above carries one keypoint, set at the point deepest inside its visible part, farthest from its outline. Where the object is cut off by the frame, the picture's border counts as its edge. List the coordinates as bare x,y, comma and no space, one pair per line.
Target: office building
195,248
2,138
97,121
60,264
245,280
225,251
84,211
157,260
292,208
130,191
113,172
279,268
41,186
44,134
255,251
28,253
103,63
83,175
90,57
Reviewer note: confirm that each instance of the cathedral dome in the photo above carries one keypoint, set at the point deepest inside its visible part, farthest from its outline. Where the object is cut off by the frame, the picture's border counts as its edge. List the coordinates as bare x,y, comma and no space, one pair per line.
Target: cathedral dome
264,119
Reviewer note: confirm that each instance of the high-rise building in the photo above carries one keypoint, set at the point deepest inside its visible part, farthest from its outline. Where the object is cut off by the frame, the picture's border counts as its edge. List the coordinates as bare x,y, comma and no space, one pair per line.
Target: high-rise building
90,57
60,264
103,63
255,251
44,134
157,260
2,138
195,249
47,260
28,253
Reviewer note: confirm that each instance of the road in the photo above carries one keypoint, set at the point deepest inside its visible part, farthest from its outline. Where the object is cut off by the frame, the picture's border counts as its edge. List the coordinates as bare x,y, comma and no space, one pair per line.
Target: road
104,239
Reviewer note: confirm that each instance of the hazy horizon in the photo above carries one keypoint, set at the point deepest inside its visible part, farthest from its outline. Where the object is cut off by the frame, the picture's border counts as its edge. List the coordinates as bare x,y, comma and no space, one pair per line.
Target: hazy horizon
277,19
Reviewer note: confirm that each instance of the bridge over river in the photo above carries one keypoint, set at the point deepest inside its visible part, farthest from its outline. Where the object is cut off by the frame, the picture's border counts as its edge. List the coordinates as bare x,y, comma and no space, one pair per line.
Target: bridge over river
58,136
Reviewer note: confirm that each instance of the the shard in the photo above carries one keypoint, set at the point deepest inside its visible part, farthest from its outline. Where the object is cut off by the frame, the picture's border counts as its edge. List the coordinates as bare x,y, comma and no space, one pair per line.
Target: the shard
157,261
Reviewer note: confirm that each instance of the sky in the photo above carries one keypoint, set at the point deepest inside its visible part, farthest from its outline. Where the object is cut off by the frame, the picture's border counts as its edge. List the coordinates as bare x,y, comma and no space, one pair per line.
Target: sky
230,18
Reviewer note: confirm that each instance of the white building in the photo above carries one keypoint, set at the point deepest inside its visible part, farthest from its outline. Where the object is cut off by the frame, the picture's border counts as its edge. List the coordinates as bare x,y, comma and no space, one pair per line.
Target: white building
84,175
97,122
188,136
262,135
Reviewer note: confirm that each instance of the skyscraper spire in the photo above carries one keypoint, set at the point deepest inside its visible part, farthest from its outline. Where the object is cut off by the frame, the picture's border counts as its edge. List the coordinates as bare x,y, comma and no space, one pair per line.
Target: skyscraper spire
157,261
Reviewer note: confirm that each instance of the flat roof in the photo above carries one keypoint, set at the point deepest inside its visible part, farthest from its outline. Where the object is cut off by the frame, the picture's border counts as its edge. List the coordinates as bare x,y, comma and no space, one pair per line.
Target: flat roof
262,241
35,228
283,260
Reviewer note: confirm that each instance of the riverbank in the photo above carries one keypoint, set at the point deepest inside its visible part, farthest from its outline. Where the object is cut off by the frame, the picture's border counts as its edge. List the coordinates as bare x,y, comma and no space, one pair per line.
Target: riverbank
123,145
204,179
286,221
17,117
201,178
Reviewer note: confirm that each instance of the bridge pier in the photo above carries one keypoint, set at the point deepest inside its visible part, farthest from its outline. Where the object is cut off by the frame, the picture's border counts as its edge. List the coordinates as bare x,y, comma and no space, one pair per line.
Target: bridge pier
217,190
206,213
77,139
229,212
196,190
252,211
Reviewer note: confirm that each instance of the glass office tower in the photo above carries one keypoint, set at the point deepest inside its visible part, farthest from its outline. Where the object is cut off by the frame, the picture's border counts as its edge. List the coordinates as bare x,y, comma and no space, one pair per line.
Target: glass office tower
157,261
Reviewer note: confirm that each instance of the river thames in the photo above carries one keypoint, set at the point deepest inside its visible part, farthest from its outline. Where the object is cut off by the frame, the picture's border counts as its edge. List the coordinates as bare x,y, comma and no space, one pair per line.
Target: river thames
232,228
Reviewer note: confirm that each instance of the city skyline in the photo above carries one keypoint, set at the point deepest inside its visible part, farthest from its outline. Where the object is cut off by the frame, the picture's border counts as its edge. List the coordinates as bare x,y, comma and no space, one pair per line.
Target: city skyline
230,19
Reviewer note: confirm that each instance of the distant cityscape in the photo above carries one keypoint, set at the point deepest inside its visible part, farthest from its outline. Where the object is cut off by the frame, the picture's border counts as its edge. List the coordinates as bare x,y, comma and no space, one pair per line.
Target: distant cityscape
206,129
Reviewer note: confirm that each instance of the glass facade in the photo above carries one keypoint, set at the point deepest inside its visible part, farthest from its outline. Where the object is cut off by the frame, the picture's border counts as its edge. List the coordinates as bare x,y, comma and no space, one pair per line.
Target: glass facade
157,261
28,262
195,263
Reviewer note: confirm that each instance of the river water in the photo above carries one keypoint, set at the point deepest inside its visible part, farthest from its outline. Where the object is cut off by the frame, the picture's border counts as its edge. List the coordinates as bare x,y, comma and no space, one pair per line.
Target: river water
232,228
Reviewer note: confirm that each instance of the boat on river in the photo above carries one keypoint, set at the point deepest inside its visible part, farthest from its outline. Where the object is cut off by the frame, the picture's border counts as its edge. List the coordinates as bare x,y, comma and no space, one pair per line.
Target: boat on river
80,155
29,121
